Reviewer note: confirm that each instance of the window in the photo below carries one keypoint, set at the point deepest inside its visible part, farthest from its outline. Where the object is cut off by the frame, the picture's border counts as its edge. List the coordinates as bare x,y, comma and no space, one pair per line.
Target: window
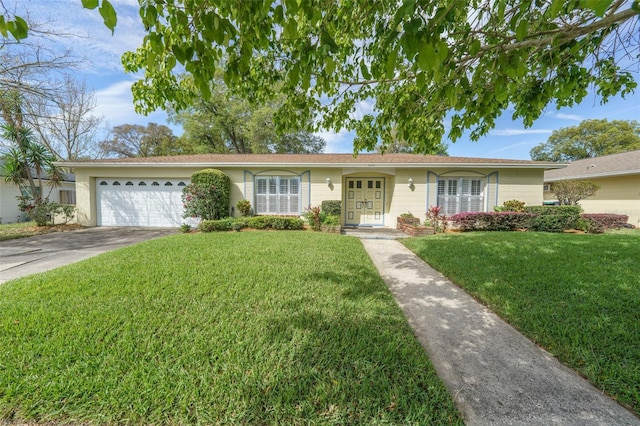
460,194
26,191
67,197
278,195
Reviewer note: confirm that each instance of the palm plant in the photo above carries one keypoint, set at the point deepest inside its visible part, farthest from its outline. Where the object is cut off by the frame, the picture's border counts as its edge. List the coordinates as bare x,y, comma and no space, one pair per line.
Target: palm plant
27,163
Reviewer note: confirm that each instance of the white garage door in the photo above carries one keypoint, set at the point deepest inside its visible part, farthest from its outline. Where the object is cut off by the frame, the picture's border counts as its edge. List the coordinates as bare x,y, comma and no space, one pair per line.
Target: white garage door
140,202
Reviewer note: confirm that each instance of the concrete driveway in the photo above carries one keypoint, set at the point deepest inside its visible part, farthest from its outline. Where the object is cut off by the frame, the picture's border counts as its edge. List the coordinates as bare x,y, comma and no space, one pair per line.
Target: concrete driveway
25,256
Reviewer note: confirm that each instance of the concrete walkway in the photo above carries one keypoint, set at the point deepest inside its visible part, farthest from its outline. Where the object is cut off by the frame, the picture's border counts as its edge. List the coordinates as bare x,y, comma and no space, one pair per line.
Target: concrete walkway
496,375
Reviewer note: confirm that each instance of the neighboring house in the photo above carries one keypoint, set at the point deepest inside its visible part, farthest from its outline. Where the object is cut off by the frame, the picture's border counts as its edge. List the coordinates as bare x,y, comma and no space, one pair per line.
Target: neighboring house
65,193
618,176
374,189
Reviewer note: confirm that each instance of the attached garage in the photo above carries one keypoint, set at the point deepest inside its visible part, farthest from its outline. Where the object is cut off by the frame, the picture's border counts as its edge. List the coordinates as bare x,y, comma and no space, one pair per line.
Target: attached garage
139,202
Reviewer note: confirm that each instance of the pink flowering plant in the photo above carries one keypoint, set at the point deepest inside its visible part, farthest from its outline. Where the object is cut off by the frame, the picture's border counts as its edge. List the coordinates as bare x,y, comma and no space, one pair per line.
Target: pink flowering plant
203,201
437,220
314,216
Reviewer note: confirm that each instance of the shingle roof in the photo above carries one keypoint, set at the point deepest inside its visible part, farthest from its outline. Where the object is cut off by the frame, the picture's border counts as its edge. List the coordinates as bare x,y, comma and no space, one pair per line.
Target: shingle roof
626,163
327,160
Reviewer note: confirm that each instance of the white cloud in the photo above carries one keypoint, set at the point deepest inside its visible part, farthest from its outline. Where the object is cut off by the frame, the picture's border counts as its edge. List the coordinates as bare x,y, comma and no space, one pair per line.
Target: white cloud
340,142
512,146
83,32
115,103
362,108
563,116
516,132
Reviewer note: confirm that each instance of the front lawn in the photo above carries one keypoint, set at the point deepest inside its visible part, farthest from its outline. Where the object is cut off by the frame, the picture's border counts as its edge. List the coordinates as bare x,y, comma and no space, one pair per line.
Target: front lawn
578,296
249,328
12,231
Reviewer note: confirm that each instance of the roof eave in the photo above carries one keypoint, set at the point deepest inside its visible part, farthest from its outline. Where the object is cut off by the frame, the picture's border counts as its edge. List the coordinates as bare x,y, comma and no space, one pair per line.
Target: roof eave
593,175
546,166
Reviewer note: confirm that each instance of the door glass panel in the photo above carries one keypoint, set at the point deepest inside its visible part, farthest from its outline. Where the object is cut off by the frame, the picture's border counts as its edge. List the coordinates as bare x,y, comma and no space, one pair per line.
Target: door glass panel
370,184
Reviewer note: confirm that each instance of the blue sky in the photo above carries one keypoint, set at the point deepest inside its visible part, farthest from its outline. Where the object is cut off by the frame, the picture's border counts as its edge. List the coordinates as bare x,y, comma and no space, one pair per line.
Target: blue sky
103,72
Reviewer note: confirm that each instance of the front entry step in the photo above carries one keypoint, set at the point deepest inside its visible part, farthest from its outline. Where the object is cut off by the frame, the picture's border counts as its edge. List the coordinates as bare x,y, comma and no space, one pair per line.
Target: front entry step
373,233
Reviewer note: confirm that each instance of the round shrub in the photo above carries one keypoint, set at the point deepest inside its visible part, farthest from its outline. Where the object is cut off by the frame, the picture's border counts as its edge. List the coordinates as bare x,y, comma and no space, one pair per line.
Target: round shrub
244,207
332,207
207,196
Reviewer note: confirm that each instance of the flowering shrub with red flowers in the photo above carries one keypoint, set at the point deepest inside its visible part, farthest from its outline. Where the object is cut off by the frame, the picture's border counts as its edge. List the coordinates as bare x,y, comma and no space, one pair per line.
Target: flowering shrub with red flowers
436,220
314,216
203,201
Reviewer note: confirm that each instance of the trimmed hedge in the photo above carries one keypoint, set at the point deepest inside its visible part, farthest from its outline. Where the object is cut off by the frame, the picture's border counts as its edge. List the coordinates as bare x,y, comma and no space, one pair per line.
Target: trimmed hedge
491,221
607,220
534,218
554,218
331,207
216,225
256,222
539,218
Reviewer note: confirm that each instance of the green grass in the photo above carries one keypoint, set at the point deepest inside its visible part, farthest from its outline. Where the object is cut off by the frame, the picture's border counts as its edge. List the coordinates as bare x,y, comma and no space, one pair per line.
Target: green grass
10,231
578,296
240,328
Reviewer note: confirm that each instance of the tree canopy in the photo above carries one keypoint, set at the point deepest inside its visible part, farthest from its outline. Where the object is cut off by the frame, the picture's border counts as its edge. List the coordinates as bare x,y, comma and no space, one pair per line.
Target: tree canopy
226,123
428,67
591,138
570,192
135,140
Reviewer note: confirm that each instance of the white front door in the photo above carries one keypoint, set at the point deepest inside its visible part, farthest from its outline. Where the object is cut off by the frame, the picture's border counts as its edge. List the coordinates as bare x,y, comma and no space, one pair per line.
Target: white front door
140,202
364,201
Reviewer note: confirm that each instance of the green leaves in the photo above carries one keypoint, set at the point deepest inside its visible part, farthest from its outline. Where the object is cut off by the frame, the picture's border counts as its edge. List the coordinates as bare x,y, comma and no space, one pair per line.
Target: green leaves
599,7
108,14
17,27
90,4
522,30
329,41
475,59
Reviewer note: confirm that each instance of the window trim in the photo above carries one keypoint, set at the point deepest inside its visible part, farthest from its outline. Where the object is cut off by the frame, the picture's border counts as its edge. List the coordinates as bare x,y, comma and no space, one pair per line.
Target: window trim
450,190
269,199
